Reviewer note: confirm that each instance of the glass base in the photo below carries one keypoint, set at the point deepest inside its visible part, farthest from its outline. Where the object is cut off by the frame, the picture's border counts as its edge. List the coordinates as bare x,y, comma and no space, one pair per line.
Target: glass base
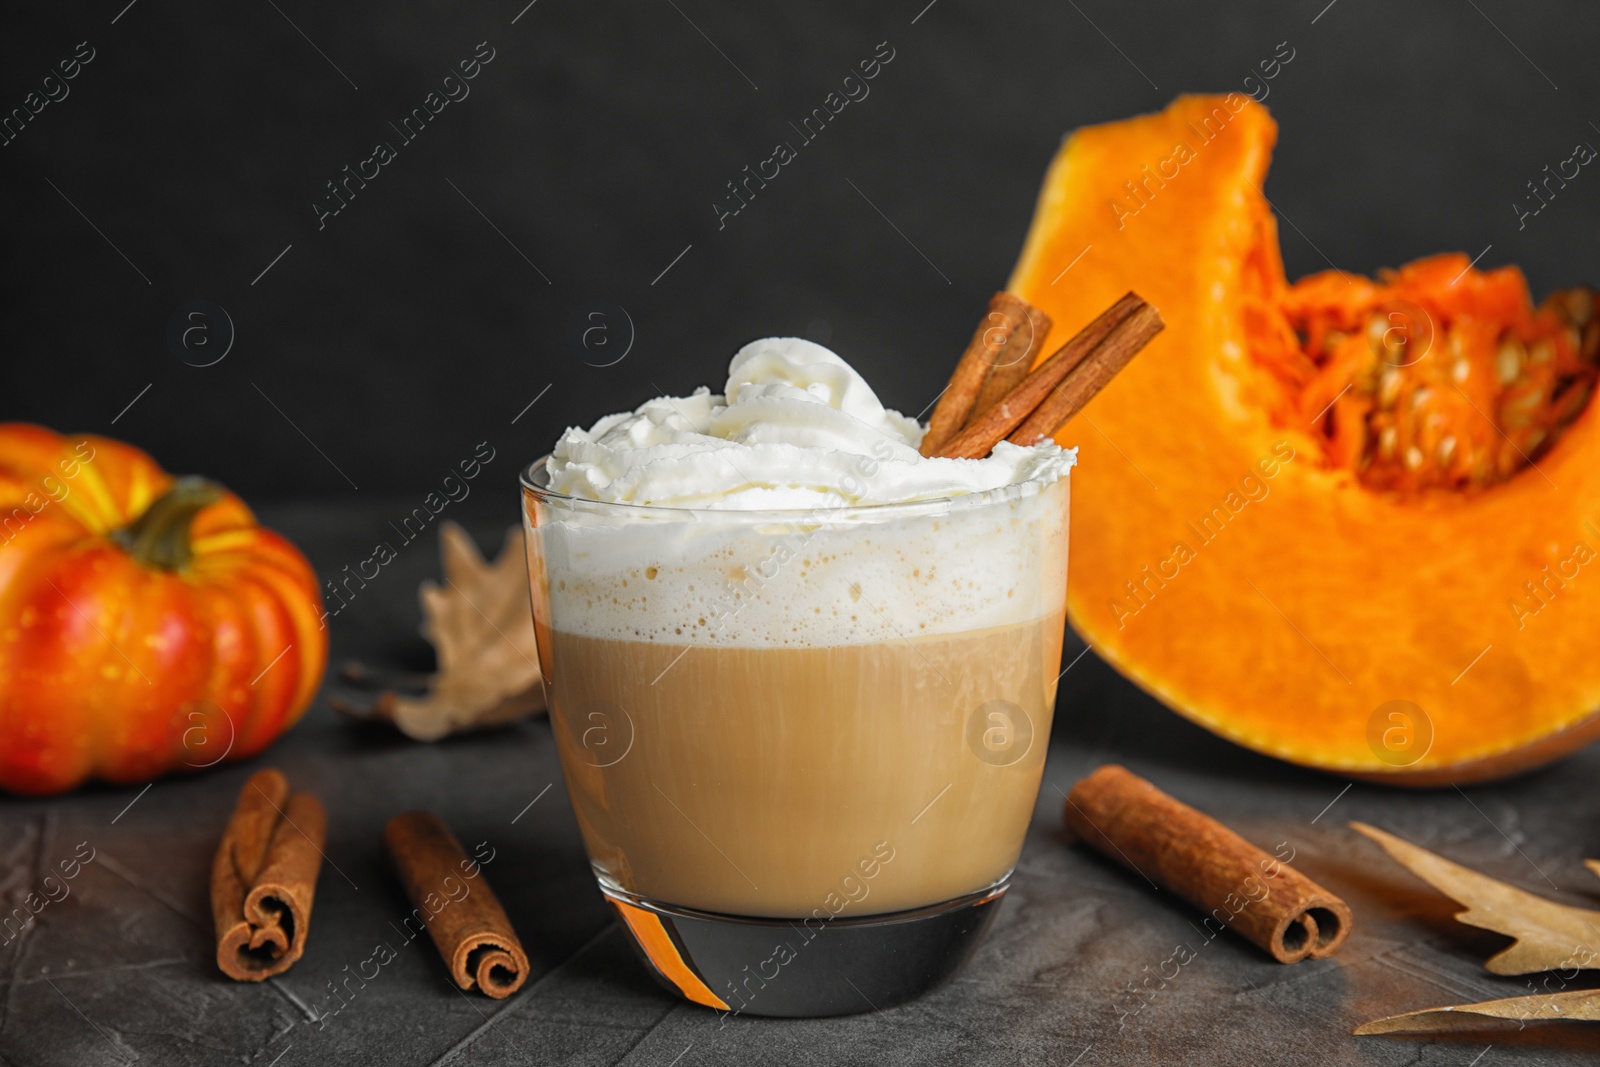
805,968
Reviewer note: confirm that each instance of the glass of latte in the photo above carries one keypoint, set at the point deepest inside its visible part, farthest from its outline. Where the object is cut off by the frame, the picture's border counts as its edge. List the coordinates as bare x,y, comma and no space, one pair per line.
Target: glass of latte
800,677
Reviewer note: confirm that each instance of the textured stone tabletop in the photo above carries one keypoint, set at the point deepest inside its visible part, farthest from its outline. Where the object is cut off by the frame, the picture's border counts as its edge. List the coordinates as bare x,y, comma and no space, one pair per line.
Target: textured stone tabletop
122,970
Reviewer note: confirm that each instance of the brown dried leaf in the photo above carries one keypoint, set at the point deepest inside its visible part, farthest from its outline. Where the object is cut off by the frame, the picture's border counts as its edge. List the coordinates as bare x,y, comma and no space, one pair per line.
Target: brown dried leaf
1581,1005
1549,936
481,627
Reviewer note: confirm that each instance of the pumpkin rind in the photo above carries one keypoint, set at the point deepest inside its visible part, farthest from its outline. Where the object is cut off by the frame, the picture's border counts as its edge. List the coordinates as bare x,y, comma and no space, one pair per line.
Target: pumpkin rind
115,670
1305,601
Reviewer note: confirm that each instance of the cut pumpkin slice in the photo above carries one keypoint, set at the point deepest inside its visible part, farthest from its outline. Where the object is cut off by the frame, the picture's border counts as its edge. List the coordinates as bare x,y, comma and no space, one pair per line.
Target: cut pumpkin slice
1349,523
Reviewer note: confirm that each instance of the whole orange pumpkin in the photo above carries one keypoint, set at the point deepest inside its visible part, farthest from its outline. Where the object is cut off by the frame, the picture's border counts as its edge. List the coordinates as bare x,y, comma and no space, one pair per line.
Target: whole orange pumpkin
147,623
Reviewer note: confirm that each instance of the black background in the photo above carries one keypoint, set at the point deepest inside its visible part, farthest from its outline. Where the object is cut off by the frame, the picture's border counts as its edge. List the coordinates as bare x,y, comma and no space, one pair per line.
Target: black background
408,329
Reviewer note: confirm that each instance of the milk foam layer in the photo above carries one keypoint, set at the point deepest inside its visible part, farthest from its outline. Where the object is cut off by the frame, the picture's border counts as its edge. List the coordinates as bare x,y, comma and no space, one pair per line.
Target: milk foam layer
795,427
797,430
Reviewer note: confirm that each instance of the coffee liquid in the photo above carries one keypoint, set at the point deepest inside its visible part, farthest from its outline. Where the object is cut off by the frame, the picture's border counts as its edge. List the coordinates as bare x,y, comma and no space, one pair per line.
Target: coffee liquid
773,782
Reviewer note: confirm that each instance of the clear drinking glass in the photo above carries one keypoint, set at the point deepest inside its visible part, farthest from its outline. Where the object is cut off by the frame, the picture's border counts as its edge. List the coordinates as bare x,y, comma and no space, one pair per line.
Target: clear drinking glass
803,746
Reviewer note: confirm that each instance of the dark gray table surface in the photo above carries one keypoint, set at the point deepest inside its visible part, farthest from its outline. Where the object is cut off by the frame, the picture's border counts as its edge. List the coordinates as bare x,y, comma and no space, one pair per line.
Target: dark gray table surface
122,971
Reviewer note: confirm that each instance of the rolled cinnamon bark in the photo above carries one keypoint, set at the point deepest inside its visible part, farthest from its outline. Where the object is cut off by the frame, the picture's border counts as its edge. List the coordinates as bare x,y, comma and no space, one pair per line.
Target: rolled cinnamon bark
985,431
1014,361
1006,313
1125,340
454,901
1239,886
264,877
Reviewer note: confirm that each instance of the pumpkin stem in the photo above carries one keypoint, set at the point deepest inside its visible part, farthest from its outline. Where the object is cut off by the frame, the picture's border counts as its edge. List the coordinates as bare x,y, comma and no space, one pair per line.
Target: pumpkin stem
160,537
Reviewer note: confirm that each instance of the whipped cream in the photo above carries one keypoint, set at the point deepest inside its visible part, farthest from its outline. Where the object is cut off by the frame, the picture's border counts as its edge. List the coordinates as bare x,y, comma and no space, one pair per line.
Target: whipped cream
796,431
795,427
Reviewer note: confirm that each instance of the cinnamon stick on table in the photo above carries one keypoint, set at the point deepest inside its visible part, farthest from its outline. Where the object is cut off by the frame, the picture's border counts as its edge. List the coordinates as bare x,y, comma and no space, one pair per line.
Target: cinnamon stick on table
1005,316
264,877
454,901
1259,896
1074,373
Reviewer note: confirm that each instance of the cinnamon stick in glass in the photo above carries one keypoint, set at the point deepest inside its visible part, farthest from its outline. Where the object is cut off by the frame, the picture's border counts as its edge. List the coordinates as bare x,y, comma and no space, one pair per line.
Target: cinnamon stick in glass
453,899
1014,361
264,877
1106,339
1079,386
1238,886
1005,315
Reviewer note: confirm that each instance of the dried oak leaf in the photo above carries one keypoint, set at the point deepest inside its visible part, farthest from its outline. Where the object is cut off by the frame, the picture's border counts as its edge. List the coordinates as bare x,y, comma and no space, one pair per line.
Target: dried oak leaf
481,627
1548,937
1579,1005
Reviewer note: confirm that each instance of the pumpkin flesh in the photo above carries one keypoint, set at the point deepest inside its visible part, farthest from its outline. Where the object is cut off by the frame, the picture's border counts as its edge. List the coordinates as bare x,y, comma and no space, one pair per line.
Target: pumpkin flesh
1248,543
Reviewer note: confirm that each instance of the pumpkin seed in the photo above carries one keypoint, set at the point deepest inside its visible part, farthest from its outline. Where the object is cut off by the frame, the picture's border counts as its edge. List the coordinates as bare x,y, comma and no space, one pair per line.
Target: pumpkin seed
1528,399
1388,388
1377,326
1508,361
1460,369
1386,441
1447,448
1413,458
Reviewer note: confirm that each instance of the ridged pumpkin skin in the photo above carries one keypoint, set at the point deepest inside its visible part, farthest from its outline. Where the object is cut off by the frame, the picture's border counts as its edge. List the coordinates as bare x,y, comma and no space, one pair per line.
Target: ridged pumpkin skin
1310,601
114,669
